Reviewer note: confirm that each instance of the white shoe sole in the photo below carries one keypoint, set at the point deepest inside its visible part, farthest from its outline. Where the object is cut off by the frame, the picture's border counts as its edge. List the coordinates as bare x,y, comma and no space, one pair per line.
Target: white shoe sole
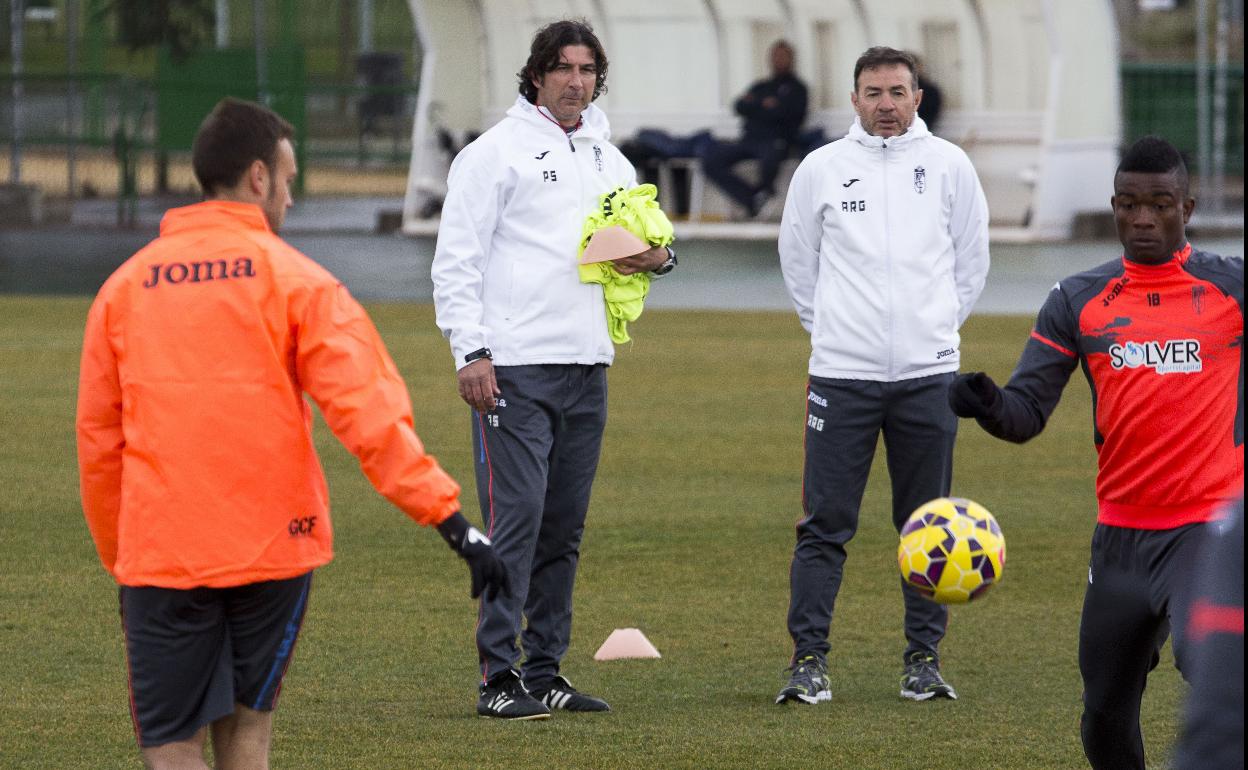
810,700
922,696
514,719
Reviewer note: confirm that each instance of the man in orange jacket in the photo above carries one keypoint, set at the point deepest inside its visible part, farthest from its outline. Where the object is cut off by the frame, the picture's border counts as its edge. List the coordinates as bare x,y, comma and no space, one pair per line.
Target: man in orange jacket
200,482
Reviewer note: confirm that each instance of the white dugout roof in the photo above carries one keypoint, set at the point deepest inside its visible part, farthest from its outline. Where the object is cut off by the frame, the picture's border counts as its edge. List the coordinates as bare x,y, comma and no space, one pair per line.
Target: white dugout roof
1031,88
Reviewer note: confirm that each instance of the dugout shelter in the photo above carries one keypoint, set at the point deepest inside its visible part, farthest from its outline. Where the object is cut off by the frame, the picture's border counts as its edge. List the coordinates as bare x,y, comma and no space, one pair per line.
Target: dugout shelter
1031,87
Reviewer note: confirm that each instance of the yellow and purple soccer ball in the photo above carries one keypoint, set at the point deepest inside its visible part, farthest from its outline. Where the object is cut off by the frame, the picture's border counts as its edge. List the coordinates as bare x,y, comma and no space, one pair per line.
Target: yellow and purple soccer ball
951,550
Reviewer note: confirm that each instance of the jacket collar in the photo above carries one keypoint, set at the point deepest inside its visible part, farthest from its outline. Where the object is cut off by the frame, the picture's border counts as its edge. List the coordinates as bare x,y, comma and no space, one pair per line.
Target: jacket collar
214,213
1176,262
594,122
917,130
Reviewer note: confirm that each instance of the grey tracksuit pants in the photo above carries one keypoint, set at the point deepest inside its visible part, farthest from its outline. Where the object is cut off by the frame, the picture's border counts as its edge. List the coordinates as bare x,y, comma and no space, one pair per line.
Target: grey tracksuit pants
536,454
843,423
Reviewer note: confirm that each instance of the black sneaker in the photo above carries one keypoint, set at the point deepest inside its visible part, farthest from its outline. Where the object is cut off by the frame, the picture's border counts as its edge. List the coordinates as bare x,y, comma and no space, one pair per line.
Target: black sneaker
504,697
560,694
922,680
808,682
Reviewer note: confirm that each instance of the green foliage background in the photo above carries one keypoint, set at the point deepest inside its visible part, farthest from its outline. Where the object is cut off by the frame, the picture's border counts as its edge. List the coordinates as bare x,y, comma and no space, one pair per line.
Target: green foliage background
689,539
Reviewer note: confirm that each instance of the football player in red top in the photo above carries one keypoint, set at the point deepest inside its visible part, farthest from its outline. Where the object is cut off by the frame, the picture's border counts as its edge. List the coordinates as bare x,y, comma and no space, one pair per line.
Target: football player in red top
1159,333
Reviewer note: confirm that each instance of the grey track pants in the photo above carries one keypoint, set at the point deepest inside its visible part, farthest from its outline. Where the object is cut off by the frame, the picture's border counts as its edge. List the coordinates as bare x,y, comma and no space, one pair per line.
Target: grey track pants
535,458
844,421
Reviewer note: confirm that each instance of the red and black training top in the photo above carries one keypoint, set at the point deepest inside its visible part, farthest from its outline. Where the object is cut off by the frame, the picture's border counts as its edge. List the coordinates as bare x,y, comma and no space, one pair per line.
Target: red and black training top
1162,347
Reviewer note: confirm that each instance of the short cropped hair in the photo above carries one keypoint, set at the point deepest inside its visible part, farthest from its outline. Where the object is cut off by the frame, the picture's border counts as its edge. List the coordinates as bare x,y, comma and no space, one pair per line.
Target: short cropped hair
1154,155
882,56
544,54
233,136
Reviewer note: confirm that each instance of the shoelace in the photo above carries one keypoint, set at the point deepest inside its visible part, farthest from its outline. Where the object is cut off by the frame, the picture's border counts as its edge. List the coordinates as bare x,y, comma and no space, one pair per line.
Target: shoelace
513,687
806,666
563,685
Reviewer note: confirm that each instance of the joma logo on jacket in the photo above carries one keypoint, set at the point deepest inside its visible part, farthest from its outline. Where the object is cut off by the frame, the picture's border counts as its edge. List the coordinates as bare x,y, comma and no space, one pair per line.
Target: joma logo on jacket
197,272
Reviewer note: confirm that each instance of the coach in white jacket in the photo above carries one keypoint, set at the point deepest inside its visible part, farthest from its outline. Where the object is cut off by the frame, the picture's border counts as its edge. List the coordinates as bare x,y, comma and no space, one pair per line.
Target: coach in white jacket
884,250
531,349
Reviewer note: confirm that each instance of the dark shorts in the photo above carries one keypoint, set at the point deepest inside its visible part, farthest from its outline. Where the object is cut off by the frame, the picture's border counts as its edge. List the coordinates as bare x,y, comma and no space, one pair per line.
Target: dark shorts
193,654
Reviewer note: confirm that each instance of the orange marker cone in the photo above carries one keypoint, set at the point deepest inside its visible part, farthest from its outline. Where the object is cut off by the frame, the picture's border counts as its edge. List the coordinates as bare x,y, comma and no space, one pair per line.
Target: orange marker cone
612,242
626,643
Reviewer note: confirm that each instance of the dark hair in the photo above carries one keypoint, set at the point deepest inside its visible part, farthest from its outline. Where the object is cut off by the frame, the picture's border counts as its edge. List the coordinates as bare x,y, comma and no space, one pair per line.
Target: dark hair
544,54
1154,155
233,136
882,56
782,43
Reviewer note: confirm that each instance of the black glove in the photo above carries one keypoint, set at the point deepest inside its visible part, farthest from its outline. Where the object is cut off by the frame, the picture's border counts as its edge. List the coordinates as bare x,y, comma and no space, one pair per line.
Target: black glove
488,573
974,395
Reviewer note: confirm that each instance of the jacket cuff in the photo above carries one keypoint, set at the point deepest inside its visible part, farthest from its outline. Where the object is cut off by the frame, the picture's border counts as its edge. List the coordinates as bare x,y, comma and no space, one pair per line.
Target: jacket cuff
464,344
453,529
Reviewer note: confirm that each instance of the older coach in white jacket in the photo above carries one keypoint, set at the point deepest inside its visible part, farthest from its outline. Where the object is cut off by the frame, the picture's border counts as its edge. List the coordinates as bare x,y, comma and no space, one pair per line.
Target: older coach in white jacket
531,348
884,250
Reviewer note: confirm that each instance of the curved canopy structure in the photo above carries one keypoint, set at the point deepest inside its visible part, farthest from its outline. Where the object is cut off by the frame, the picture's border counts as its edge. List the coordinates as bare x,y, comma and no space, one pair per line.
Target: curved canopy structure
1030,87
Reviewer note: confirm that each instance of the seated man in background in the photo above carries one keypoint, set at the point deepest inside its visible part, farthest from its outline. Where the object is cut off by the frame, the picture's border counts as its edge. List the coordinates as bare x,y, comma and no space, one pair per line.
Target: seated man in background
929,107
773,110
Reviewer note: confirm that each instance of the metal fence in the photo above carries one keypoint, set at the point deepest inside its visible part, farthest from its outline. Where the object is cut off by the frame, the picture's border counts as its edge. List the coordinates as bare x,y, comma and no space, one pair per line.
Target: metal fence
88,136
1161,99
333,32
340,70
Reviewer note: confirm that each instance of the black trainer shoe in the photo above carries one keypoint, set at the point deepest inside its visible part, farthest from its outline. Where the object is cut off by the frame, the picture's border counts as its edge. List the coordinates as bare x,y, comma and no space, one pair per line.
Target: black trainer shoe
560,694
808,682
504,697
922,680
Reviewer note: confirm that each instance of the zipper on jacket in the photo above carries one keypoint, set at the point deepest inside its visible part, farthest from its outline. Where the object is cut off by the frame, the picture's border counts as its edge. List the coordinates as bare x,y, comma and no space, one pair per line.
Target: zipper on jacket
580,187
888,262
566,133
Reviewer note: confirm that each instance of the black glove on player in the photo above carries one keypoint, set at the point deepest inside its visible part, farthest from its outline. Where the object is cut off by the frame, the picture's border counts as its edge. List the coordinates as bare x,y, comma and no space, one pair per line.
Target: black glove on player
488,573
974,395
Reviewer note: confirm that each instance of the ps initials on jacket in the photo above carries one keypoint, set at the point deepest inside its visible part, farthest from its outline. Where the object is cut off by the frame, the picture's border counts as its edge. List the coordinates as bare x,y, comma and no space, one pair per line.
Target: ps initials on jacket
497,282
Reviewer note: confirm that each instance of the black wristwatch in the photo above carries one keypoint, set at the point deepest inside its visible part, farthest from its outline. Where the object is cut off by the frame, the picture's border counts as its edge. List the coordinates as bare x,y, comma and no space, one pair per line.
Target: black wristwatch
478,354
668,265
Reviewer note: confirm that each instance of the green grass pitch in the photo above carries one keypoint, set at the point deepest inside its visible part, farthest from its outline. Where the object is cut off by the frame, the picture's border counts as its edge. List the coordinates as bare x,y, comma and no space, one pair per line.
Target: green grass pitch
689,538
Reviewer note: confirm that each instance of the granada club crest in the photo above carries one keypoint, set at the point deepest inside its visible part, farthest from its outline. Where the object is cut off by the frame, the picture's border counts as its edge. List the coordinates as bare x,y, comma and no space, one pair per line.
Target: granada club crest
598,158
920,179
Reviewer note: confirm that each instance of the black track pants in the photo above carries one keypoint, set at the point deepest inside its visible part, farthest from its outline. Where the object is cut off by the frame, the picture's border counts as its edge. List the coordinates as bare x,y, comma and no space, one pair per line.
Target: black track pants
1137,585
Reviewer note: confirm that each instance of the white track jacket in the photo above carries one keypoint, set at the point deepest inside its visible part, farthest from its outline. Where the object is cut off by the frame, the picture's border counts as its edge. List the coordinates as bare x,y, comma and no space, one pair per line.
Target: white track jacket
884,250
505,270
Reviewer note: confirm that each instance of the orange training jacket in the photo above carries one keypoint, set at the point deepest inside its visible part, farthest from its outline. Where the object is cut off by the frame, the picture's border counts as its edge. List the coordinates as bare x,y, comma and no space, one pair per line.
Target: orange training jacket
195,451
